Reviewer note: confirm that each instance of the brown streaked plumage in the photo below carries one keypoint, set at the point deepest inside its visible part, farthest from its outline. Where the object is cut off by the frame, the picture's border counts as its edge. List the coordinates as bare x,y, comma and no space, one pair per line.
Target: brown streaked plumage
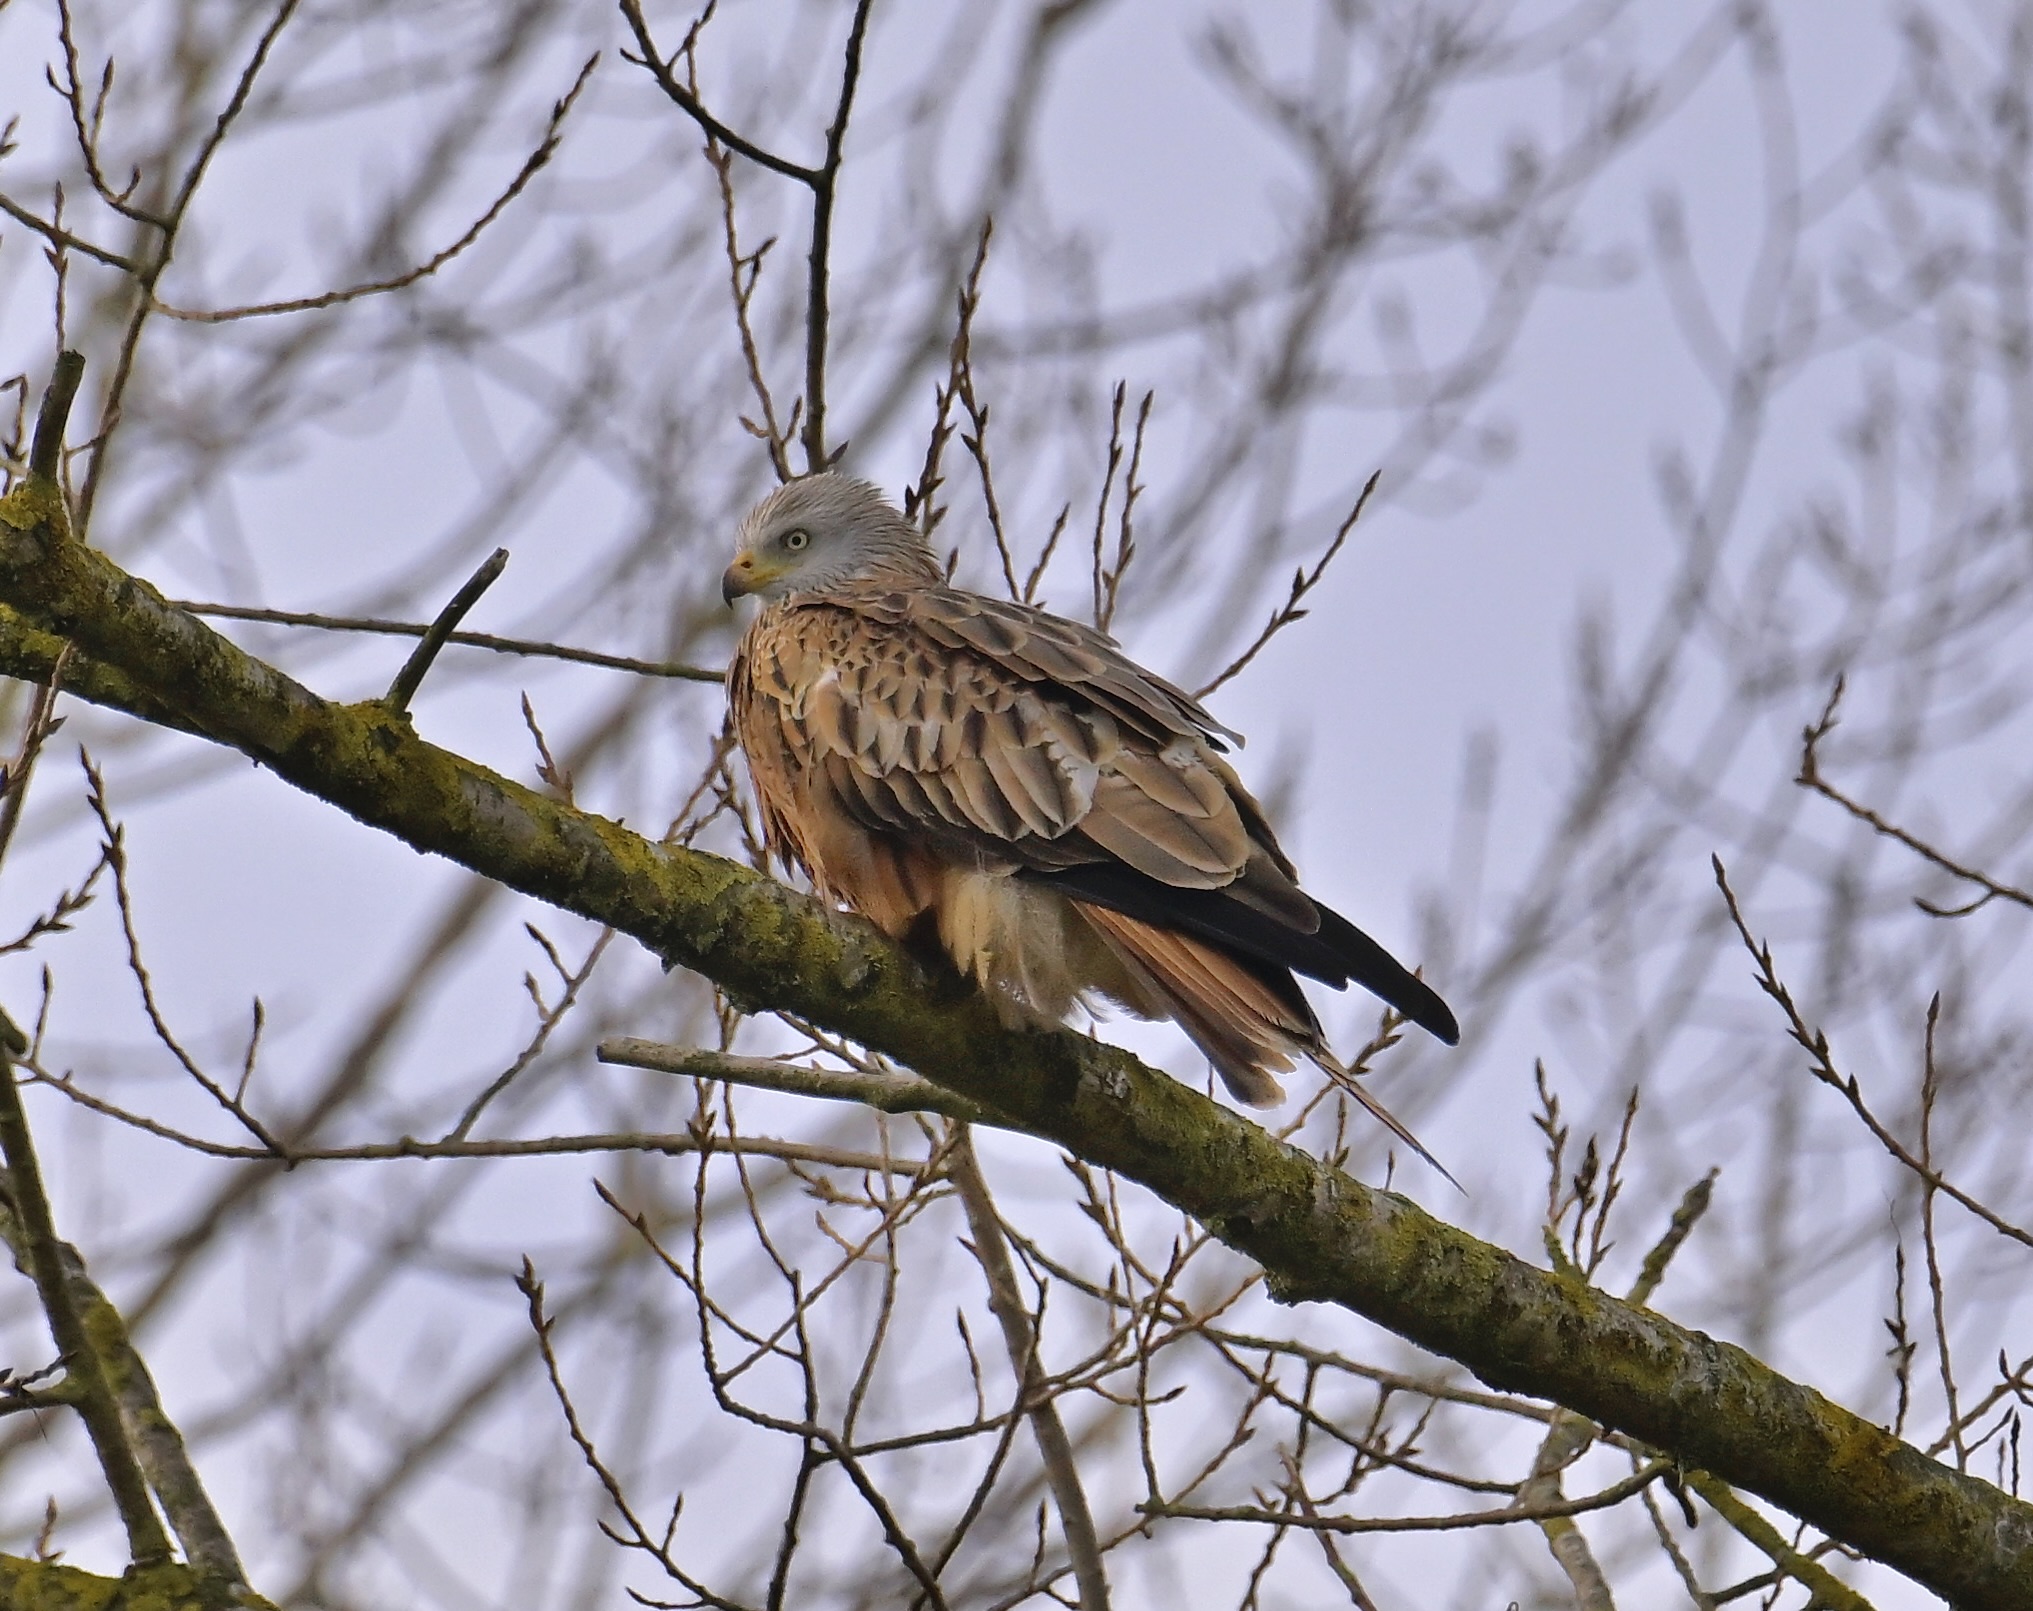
1061,819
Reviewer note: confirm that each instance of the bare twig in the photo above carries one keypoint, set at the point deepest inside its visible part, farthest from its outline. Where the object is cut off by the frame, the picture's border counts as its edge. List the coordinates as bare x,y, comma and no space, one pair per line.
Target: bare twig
1303,582
417,667
897,1092
1055,1449
115,841
1822,1066
921,502
86,126
637,1536
45,455
553,1146
1344,1574
548,771
1930,1088
825,186
1109,577
1903,1347
744,270
546,148
1826,1588
1044,560
660,69
471,640
1701,1598
215,137
63,240
167,224
1603,1499
1102,604
975,437
57,920
823,181
20,769
1811,778
549,1017
1693,1204
13,445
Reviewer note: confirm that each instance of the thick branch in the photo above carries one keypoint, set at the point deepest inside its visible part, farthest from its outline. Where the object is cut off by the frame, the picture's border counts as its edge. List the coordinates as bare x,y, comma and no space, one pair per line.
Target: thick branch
30,654
158,1445
147,1544
49,1586
1320,1235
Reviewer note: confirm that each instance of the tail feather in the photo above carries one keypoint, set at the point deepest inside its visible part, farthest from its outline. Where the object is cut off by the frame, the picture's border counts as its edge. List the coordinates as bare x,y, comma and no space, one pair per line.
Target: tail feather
1348,1082
1246,1024
1383,975
1232,1015
1334,951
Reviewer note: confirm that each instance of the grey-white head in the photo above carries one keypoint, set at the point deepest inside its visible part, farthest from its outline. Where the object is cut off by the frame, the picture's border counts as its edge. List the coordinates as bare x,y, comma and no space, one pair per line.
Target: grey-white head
822,531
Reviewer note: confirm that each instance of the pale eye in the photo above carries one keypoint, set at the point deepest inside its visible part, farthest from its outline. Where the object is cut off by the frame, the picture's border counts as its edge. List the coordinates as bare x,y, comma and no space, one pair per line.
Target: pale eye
796,540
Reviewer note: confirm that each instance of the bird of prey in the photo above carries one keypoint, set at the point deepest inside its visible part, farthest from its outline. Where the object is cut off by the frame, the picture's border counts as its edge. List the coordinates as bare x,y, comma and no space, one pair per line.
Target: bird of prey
984,774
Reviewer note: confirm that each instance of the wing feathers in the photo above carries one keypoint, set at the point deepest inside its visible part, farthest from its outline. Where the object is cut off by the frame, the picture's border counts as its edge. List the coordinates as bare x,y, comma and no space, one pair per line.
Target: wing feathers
986,806
1031,779
1043,648
1175,781
1197,853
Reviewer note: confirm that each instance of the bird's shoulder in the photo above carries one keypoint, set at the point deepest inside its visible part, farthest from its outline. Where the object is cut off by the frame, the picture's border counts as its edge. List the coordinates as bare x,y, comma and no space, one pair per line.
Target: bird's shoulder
882,642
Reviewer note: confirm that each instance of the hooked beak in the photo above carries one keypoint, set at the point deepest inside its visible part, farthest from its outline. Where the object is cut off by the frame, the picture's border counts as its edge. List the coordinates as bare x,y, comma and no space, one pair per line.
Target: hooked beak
740,579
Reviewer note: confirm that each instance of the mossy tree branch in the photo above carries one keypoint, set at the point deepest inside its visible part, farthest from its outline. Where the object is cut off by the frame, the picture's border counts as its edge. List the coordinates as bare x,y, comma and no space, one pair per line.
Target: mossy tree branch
27,1585
84,1364
1320,1235
158,1445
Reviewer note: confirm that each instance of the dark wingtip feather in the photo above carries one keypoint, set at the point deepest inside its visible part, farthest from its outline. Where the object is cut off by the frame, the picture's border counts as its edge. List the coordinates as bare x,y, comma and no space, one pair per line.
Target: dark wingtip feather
1380,973
1335,952
1434,1015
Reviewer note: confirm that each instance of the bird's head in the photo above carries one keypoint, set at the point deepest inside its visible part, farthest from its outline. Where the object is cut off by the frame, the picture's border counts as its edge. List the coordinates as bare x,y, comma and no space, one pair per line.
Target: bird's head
821,532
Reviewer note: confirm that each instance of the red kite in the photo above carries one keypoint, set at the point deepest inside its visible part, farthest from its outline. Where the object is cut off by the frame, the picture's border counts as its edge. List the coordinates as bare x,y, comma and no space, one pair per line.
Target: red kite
1062,820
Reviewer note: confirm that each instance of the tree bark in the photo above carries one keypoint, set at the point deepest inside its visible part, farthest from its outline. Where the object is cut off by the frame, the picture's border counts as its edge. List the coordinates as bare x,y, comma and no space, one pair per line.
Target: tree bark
27,1585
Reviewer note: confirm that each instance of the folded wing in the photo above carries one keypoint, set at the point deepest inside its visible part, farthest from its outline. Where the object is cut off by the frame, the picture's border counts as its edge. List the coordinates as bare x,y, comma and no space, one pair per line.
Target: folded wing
953,732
